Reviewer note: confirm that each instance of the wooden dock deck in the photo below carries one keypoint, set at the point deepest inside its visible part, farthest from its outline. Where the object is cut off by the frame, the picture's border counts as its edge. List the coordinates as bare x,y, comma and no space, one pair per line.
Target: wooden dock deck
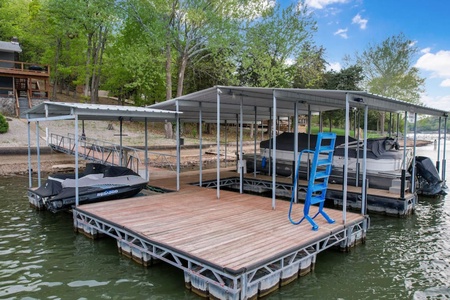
235,247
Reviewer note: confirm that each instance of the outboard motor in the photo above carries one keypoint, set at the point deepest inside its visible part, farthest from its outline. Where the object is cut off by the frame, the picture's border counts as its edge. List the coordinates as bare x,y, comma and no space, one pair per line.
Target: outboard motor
429,182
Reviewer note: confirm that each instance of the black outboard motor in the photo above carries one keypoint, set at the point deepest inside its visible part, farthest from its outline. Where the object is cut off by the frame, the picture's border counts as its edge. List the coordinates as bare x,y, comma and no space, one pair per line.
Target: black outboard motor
429,182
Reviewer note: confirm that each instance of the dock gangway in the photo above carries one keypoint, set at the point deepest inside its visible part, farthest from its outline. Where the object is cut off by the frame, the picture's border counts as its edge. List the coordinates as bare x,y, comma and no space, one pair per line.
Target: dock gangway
109,153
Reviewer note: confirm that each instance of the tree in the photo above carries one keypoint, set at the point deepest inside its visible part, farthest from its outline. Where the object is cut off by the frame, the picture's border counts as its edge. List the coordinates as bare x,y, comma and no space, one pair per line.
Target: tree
93,21
309,68
389,70
346,79
269,44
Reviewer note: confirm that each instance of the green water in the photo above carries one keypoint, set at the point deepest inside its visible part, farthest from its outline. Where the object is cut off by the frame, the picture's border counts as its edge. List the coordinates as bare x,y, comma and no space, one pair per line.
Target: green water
42,258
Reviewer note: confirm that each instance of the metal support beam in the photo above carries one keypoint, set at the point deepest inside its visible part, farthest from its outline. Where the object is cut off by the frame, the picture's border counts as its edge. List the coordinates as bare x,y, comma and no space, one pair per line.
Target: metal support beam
77,191
30,181
347,132
147,177
178,144
364,165
38,154
296,161
200,140
274,147
218,143
413,173
241,151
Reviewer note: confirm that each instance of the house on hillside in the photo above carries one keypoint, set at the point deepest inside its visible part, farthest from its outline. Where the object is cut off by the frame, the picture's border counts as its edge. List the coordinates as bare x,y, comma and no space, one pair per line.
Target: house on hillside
22,85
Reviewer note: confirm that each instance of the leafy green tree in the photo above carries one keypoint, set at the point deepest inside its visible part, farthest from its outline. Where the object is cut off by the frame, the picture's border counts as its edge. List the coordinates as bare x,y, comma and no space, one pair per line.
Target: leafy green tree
310,67
92,21
346,79
270,42
389,70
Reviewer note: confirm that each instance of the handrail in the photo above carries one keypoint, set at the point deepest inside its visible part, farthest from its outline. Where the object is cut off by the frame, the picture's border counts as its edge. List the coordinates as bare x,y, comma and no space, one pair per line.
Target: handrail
24,66
17,103
108,153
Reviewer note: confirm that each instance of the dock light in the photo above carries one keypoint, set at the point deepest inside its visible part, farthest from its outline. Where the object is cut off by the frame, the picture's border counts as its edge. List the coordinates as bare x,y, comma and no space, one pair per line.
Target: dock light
359,99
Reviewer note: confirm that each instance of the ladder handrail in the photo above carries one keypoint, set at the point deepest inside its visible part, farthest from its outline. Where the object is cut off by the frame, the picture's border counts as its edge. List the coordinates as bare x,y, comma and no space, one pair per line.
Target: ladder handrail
321,175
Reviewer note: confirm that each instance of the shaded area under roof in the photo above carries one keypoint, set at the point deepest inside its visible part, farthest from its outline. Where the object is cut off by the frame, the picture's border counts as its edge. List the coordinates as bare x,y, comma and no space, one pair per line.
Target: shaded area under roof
48,110
261,100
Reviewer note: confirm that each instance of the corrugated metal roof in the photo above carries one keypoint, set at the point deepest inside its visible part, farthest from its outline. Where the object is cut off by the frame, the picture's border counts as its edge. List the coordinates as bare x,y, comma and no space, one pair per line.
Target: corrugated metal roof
10,47
260,101
61,110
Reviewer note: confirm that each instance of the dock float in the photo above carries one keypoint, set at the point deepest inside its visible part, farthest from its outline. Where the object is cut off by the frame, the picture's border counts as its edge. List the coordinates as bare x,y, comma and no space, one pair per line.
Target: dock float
235,247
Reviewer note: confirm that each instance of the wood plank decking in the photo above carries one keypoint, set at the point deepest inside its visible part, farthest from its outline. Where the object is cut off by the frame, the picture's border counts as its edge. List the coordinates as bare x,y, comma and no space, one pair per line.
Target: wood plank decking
235,234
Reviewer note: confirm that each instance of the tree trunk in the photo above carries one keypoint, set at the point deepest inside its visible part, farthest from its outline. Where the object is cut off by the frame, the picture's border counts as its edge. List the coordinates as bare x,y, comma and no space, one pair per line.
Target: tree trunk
168,72
55,67
181,72
382,118
88,63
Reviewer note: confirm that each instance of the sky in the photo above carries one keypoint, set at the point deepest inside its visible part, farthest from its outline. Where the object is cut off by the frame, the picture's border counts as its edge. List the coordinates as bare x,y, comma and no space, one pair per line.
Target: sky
349,26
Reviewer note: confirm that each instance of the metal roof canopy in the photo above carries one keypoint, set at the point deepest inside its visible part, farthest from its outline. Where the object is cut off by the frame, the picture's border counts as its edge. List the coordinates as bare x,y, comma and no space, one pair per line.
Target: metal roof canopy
261,100
54,111
48,111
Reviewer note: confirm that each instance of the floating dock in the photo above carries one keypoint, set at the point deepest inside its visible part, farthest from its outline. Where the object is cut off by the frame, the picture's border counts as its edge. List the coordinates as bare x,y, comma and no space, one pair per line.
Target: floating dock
235,247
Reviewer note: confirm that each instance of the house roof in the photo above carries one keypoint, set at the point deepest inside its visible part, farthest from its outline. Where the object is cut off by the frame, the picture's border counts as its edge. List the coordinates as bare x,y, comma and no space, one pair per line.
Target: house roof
60,110
260,101
10,47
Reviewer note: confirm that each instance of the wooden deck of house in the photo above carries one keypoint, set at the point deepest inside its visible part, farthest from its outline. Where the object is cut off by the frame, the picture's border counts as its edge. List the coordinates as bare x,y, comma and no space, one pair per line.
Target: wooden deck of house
235,247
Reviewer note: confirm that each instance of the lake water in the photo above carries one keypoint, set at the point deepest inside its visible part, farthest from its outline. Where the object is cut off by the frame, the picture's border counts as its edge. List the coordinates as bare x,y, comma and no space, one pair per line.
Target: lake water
42,258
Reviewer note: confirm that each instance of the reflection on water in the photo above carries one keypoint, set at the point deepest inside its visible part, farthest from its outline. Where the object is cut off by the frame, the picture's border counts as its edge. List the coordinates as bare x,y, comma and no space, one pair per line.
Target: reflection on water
42,258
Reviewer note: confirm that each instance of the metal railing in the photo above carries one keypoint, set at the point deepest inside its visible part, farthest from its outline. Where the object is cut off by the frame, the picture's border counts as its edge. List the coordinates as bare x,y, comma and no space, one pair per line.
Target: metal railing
109,153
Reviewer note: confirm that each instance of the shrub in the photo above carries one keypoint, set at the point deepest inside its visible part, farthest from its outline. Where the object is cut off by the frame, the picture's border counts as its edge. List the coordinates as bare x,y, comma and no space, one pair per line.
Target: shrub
4,126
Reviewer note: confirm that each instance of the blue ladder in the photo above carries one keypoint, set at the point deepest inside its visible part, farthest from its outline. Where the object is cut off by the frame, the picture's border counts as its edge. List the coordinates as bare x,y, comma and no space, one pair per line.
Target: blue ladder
318,179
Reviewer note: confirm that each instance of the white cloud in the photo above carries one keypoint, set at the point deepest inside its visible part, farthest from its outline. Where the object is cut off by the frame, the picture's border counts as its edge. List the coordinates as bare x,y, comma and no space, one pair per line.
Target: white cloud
320,4
342,33
437,63
335,66
438,102
360,21
425,50
445,83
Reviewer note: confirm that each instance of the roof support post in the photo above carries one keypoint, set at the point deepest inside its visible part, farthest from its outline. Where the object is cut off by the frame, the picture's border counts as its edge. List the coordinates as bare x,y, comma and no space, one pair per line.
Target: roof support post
241,134
218,143
438,160
413,187
308,170
122,159
30,182
295,186
77,192
274,147
347,133
177,104
38,154
200,140
226,143
147,177
403,179
255,133
445,150
405,128
364,164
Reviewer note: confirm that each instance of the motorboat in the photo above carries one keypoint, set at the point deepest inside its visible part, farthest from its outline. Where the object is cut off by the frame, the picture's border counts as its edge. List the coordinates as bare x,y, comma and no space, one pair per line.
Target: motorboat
384,160
96,183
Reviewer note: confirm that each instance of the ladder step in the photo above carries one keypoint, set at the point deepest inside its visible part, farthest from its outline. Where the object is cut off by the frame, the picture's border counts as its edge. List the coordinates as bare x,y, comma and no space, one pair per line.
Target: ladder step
322,175
328,148
319,187
317,199
324,162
